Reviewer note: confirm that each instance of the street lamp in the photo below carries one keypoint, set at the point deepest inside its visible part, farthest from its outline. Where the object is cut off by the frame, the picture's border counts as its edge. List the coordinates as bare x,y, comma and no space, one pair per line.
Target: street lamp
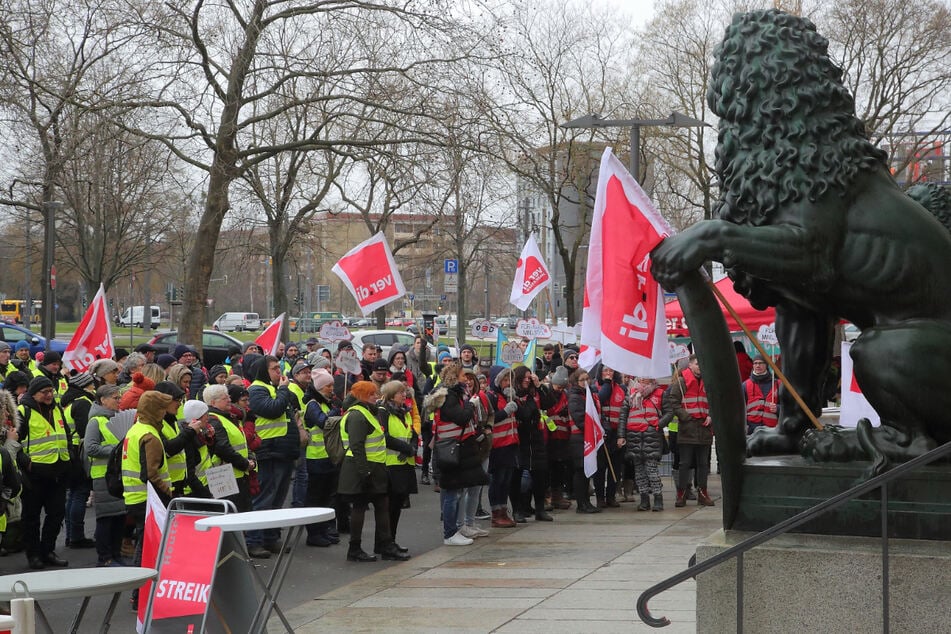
675,119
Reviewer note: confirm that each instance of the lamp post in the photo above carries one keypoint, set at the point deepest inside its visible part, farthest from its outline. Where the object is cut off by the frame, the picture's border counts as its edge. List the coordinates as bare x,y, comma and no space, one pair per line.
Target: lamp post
676,120
51,208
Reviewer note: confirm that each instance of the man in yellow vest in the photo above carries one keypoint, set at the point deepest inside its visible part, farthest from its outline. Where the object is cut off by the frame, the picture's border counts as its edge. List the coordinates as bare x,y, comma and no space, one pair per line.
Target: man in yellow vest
280,447
42,433
76,402
322,473
300,381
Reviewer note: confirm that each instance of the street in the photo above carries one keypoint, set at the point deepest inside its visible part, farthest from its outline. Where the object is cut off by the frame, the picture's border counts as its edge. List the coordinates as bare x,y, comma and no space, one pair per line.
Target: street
313,572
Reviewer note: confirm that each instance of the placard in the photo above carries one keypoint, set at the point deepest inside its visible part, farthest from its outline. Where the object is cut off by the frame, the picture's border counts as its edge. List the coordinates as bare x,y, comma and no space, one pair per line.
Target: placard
532,328
335,331
512,353
221,481
483,329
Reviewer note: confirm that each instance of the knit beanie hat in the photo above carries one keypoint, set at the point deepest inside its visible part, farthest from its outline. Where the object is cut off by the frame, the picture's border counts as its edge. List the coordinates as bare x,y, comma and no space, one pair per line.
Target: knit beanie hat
235,392
81,379
22,344
321,378
164,360
40,383
560,376
194,410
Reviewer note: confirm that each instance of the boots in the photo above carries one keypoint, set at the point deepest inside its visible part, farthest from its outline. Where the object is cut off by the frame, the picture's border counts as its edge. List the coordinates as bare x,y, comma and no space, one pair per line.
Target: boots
681,498
658,502
645,504
559,501
703,499
600,501
690,494
500,519
585,506
627,491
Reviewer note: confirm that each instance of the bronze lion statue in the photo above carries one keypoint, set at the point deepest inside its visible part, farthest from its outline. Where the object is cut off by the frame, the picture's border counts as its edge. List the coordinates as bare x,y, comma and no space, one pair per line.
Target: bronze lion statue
811,221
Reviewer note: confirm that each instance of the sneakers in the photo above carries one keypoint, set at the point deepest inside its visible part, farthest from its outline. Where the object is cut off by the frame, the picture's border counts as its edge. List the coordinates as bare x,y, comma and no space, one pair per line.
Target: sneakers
258,552
482,514
473,532
457,540
83,542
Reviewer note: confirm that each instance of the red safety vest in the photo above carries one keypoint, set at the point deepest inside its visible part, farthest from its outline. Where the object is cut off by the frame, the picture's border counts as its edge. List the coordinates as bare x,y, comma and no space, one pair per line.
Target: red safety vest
611,412
695,396
504,432
756,402
559,415
648,414
575,430
447,429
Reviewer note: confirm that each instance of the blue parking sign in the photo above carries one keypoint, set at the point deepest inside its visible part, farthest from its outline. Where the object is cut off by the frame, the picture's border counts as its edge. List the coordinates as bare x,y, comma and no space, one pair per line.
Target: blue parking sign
450,266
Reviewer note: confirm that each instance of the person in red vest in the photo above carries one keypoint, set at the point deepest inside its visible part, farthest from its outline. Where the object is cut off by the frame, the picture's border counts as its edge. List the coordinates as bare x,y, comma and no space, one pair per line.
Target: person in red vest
688,398
761,391
643,440
612,393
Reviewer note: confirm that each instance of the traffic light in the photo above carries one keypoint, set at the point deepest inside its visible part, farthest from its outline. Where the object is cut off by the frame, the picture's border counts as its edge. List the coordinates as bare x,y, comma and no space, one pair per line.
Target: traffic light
181,293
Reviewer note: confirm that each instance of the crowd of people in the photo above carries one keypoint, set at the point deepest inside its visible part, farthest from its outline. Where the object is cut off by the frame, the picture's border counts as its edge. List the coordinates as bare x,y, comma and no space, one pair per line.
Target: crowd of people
498,443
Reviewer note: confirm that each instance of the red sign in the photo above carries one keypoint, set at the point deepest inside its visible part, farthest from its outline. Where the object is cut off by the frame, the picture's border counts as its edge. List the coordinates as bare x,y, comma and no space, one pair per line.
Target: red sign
188,562
53,276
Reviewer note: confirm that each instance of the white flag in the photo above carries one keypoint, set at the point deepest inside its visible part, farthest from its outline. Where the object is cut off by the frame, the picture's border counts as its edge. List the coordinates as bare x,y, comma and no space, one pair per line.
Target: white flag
531,275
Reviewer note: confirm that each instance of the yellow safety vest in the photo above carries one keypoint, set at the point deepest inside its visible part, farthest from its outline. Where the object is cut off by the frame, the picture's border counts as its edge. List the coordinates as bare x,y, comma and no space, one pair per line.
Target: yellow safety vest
3,516
176,463
270,427
237,439
403,430
70,421
375,444
134,487
316,449
97,464
47,442
298,393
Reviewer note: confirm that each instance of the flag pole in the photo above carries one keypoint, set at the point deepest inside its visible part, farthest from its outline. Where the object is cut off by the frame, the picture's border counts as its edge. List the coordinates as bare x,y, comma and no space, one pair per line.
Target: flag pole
607,455
551,306
769,360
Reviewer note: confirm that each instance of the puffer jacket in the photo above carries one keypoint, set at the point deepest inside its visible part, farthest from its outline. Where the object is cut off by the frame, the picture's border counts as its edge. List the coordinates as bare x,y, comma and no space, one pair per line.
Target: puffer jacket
106,504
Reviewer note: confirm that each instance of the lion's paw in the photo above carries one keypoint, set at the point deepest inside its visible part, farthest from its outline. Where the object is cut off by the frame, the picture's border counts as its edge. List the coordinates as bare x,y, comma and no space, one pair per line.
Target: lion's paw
834,443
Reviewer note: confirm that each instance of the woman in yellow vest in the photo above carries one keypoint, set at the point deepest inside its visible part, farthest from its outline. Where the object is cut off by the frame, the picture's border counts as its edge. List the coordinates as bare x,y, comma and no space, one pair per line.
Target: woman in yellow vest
42,433
181,442
100,441
231,447
144,462
9,480
321,471
401,443
363,477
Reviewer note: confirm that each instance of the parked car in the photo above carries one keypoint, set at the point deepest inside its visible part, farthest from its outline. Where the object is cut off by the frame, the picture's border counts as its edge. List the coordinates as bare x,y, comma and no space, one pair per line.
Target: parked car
386,339
214,345
237,322
14,334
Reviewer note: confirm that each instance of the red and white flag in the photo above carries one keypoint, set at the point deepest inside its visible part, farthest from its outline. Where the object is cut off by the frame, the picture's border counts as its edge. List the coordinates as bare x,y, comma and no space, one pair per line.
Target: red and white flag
270,338
531,275
854,404
155,517
370,272
93,338
593,435
623,320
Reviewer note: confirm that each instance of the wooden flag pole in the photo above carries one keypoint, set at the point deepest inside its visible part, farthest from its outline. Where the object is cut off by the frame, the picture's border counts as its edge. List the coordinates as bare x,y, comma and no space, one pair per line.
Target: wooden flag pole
551,306
769,360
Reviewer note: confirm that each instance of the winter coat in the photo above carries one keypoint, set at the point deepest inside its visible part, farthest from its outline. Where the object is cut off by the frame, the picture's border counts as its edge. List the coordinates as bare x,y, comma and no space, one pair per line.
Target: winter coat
175,373
140,384
359,476
106,505
690,431
457,410
532,432
576,408
222,447
260,403
198,382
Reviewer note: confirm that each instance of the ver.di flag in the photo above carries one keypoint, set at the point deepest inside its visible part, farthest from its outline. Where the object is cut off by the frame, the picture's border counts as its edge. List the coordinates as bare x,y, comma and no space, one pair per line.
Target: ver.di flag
623,320
593,434
854,404
370,272
93,338
270,338
531,275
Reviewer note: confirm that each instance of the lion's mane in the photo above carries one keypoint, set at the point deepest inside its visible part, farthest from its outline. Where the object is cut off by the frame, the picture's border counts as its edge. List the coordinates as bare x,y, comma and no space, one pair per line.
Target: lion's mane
935,198
788,128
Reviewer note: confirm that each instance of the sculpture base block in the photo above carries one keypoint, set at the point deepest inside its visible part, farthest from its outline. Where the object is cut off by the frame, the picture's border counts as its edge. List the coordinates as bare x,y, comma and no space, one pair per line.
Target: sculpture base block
777,488
809,583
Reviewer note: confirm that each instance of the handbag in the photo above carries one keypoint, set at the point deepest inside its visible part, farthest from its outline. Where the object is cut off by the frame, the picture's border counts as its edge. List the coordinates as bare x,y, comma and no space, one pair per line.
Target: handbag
446,453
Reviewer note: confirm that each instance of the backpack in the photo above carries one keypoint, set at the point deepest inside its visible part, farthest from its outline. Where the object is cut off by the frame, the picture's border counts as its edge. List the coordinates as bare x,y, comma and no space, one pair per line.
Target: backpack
113,475
332,441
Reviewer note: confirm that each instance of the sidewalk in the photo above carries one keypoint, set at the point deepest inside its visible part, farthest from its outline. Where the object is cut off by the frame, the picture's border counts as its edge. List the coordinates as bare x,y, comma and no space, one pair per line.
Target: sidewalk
578,573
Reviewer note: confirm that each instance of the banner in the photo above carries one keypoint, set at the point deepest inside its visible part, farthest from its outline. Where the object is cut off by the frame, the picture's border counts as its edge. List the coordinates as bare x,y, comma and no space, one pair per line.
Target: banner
854,404
370,272
269,340
531,275
593,434
93,338
509,353
623,320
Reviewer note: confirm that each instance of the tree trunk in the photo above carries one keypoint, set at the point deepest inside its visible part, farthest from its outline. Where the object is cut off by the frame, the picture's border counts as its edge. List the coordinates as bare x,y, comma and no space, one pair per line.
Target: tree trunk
380,316
461,302
570,292
201,262
278,290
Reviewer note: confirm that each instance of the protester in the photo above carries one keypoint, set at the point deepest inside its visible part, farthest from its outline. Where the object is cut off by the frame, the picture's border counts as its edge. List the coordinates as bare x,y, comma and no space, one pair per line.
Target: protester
578,389
643,440
322,473
99,444
401,442
688,400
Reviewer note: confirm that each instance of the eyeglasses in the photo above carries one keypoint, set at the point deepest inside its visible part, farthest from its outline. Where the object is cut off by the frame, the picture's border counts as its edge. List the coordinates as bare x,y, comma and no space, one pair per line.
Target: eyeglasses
570,357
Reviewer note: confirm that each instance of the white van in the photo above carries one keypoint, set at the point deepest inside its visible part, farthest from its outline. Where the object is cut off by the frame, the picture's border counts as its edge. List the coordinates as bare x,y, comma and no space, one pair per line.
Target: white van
231,322
135,316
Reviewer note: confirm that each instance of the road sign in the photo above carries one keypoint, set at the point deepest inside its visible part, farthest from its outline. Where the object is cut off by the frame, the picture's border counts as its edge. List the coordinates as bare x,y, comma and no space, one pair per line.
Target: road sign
450,266
451,284
410,296
323,292
53,276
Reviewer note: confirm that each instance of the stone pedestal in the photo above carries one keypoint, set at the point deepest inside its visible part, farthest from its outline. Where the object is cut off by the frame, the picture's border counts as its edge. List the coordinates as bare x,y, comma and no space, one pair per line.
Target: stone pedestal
829,584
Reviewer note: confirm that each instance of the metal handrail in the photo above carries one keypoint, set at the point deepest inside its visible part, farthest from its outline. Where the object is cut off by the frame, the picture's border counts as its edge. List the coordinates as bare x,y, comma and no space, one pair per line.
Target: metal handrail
737,551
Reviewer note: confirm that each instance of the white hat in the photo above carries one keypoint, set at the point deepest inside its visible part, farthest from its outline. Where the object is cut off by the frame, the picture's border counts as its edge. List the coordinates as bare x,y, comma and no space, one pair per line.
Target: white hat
195,410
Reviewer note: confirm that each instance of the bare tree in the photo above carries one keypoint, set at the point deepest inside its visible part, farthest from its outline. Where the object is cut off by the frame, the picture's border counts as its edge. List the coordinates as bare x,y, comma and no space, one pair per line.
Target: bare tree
225,68
554,65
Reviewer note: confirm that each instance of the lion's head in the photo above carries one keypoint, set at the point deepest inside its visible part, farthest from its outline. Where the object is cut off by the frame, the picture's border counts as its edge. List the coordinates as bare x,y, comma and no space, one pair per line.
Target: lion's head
935,198
788,129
